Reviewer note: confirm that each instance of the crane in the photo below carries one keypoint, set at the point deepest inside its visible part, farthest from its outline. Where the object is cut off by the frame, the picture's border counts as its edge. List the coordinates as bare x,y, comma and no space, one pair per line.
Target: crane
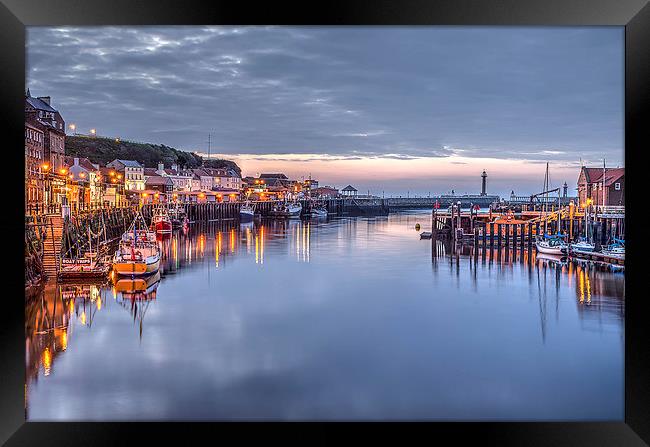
532,197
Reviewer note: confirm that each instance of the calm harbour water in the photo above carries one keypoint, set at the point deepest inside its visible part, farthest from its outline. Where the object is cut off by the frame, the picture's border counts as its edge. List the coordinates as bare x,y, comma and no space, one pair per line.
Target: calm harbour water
344,318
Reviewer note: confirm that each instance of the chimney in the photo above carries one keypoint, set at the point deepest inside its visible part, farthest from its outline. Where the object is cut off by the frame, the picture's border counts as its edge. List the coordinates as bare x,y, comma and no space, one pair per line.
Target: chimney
175,167
76,161
161,166
45,99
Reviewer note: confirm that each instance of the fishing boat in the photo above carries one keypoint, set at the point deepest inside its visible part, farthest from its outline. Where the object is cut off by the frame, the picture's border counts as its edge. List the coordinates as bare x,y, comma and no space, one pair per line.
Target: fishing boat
87,259
160,221
551,244
292,209
138,253
246,212
177,216
617,249
582,246
318,211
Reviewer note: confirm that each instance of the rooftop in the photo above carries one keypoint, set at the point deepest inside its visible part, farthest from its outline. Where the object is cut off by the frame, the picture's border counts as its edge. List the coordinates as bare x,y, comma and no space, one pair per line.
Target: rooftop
39,104
595,175
129,163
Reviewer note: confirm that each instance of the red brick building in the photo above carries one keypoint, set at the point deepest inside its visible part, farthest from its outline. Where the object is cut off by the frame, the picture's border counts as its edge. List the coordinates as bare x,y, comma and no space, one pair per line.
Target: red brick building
590,186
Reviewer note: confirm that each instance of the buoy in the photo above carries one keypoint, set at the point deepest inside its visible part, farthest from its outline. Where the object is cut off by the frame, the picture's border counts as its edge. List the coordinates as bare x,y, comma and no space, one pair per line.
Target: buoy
417,226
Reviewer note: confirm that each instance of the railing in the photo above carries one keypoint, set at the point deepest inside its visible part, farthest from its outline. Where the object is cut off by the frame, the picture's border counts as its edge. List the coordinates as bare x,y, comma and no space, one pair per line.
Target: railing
38,209
610,209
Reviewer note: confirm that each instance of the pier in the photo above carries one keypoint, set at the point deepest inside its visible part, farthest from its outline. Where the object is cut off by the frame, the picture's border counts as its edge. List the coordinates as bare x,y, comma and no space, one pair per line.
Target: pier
518,231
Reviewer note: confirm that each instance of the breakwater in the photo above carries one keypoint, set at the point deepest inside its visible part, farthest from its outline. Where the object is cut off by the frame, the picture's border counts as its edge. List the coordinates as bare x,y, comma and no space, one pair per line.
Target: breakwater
444,201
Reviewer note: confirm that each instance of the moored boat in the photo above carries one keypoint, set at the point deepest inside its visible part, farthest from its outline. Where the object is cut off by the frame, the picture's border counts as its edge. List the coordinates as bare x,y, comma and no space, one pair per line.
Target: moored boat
294,209
551,245
160,221
138,253
89,260
287,210
246,212
318,211
177,216
582,246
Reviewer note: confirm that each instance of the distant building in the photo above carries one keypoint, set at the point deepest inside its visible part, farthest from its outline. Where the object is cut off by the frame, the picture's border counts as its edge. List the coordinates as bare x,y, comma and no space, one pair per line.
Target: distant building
349,191
133,173
113,187
325,192
159,183
84,181
182,179
591,186
224,179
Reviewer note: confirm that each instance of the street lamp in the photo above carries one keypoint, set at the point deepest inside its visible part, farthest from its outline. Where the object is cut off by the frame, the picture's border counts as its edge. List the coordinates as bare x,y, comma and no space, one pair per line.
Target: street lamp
93,132
45,167
72,127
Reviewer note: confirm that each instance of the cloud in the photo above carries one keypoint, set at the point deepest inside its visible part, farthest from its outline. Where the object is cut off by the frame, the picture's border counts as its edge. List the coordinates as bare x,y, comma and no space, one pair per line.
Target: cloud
339,92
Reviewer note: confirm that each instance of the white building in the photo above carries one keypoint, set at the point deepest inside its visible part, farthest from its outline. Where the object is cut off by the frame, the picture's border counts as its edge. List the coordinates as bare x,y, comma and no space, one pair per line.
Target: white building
182,179
133,173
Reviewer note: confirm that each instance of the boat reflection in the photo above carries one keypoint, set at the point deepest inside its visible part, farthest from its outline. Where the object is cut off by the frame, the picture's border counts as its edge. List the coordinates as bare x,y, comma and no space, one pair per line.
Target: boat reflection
136,295
599,293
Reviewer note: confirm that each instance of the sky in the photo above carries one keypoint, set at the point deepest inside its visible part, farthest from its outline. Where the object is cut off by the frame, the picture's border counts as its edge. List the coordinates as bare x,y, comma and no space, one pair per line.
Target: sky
390,110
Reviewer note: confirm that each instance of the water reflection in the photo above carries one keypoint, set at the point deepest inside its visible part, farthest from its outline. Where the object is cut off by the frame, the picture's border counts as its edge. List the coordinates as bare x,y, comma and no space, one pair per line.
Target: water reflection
225,288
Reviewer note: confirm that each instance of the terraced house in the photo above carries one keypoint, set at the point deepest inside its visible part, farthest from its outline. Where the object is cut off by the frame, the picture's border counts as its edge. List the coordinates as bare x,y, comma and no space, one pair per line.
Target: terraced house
133,174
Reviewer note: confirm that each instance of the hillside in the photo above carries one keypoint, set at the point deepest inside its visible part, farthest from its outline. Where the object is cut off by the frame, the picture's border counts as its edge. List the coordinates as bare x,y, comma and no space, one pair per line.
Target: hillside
104,150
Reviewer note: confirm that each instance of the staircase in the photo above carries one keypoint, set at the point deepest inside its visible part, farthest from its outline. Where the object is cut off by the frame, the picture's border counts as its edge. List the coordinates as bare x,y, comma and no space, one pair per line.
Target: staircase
52,245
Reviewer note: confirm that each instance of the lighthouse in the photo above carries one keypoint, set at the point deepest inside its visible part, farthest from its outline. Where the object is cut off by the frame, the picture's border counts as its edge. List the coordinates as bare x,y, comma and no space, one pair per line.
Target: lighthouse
483,183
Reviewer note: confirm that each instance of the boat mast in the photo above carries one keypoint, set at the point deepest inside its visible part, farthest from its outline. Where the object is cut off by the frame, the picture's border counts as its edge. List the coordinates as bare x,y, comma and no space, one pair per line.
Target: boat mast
545,198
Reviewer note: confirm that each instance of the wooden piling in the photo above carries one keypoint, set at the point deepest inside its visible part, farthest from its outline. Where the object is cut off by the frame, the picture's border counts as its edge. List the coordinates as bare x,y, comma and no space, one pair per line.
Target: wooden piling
491,235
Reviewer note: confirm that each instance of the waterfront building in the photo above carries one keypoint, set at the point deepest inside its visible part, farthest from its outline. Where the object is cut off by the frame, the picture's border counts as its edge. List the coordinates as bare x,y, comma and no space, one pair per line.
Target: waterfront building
34,153
159,183
224,178
349,191
182,179
84,180
113,187
325,192
611,191
196,182
41,113
132,172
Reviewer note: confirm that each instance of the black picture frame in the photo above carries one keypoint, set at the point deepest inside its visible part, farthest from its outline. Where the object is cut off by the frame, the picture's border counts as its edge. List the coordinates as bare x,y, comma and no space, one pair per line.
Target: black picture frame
634,15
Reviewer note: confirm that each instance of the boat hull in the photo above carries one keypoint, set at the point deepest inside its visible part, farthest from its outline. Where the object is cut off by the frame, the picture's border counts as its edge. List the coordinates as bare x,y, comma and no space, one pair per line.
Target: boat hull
559,250
128,268
245,216
318,213
163,226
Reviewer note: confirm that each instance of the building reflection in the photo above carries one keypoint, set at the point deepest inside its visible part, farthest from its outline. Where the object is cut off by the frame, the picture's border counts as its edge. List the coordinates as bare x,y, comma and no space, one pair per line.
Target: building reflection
51,314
